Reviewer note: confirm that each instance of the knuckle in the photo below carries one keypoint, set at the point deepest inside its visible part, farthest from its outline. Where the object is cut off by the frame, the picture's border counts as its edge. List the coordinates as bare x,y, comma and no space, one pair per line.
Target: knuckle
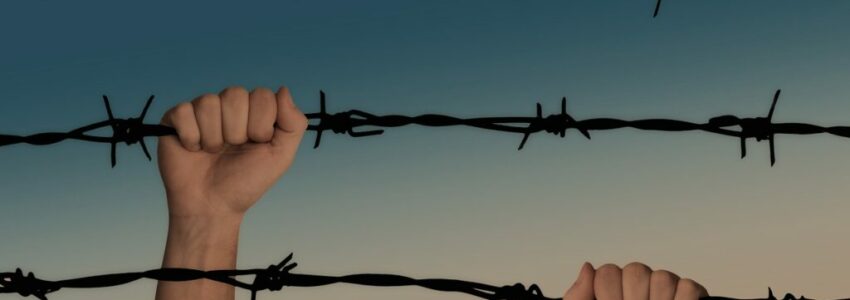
262,92
182,109
178,112
636,267
608,272
233,91
233,96
206,101
663,277
688,286
636,270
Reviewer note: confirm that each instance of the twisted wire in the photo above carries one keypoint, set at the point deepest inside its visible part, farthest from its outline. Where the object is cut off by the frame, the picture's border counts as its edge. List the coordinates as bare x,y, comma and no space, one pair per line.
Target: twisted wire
275,277
132,130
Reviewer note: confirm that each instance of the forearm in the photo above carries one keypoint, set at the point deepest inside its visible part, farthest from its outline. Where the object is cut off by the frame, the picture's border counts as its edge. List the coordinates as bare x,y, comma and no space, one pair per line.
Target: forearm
202,243
249,141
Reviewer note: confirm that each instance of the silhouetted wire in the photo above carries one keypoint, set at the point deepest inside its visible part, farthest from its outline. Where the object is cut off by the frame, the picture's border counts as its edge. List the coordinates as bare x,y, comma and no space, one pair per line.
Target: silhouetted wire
657,7
273,278
133,130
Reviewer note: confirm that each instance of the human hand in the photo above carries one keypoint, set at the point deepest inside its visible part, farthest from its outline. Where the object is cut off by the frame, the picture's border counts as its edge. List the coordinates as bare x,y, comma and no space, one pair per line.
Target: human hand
230,149
635,281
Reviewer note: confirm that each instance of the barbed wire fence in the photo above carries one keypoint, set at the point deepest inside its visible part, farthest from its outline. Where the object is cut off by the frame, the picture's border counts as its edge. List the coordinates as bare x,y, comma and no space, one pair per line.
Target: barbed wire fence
273,278
134,131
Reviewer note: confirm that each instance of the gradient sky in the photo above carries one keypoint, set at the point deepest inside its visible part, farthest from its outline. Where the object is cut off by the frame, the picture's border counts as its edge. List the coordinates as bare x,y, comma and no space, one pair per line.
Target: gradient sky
447,202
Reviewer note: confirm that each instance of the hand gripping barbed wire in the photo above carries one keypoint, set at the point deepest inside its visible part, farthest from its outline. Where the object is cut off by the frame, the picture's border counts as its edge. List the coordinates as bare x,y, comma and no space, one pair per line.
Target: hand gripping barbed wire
134,130
275,277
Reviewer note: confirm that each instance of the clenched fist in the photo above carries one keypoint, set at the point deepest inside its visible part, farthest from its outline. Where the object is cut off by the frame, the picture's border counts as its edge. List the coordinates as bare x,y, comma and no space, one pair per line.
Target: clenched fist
635,281
231,148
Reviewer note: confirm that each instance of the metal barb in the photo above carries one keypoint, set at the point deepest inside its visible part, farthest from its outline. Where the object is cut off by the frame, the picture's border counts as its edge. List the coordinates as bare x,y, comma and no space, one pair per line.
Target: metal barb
657,7
557,124
27,285
129,131
322,115
113,124
758,128
342,122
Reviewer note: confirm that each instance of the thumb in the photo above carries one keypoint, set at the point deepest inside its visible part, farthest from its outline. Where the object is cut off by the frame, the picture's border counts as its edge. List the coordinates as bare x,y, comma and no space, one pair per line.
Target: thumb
582,288
290,123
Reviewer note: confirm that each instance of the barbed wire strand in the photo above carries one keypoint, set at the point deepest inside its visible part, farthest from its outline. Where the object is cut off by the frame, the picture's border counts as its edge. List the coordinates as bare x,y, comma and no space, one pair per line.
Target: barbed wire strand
275,277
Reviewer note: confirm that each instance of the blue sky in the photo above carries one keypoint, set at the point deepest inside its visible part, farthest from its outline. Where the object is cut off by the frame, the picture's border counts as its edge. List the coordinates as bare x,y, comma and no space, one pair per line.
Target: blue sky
448,202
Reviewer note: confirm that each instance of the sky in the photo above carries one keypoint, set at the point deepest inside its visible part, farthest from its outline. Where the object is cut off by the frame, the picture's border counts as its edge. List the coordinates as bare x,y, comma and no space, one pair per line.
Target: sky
446,202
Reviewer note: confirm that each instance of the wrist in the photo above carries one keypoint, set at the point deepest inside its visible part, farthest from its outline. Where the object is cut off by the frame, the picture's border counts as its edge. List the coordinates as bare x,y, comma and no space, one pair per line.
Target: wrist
200,242
190,207
204,242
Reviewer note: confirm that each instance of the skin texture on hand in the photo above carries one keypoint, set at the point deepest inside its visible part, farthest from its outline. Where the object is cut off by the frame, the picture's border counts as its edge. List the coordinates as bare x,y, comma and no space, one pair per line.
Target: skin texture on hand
230,149
635,281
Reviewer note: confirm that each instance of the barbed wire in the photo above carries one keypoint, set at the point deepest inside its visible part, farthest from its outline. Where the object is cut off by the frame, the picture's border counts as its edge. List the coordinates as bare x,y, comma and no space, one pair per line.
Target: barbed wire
132,130
657,7
275,277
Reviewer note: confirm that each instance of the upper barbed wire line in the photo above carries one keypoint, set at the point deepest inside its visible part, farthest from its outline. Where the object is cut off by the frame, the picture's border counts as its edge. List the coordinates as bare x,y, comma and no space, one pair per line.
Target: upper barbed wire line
133,130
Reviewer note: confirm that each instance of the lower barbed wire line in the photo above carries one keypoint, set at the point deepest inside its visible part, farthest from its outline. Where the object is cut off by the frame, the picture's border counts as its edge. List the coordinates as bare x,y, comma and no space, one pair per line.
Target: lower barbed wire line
273,278
276,277
479,290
